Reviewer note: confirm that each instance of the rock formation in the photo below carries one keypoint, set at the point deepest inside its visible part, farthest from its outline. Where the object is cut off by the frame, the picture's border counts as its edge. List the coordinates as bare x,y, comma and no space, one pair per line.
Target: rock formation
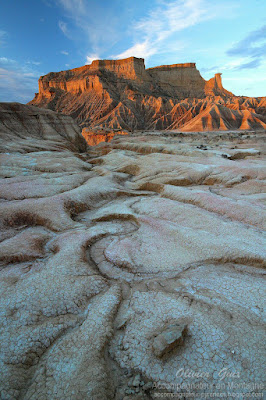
169,339
122,94
131,269
28,128
96,136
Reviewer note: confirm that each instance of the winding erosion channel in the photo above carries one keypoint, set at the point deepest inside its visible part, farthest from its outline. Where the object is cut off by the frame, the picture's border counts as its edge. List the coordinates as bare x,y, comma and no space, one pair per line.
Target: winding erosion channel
132,268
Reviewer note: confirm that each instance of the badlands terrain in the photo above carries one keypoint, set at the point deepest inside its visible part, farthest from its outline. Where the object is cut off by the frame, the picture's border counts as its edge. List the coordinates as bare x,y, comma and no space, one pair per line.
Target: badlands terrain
124,95
132,269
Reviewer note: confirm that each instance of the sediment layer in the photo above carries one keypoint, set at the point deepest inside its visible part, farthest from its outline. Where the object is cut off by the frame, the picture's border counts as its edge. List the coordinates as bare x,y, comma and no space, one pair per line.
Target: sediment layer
123,94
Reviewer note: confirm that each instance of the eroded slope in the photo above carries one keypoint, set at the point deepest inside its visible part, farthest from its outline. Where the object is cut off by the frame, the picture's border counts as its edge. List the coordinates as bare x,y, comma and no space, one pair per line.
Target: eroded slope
123,94
126,264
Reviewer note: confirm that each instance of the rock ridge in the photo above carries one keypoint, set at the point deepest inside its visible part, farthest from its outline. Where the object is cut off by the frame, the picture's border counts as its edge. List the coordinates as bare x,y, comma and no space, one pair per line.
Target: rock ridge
123,94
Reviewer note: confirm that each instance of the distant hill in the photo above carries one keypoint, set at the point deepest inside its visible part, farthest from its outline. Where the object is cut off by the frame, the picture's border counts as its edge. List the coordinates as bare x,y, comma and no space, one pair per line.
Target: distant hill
123,94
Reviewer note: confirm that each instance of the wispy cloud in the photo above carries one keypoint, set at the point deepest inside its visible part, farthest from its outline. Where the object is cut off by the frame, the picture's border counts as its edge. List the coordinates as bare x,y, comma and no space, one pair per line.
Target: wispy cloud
251,49
153,32
74,6
254,44
3,35
17,82
63,26
142,50
65,53
237,64
5,60
96,27
34,63
250,65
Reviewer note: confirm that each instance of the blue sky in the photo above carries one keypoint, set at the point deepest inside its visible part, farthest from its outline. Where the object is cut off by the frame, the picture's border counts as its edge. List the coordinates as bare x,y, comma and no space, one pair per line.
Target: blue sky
40,36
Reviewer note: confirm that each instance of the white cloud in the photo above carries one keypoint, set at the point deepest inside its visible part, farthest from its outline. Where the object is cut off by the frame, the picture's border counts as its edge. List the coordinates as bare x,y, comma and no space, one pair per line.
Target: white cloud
155,30
98,27
75,7
6,60
251,49
91,57
63,26
238,64
155,33
65,53
139,50
233,64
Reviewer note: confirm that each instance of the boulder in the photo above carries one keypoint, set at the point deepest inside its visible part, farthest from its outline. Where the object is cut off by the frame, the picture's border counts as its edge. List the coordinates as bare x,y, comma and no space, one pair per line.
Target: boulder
169,339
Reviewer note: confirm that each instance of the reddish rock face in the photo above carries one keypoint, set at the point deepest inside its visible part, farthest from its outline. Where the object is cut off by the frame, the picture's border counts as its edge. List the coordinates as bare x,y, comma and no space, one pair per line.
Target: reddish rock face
95,137
122,94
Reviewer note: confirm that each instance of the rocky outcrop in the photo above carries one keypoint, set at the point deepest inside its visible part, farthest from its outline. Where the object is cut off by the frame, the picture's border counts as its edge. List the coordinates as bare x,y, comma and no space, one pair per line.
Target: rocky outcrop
28,128
131,68
215,87
222,114
179,80
132,269
97,135
170,338
124,95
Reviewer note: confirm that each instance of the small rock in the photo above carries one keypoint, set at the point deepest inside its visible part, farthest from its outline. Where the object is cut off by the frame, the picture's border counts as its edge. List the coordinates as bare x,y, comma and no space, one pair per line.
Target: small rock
169,338
202,147
136,381
129,391
147,386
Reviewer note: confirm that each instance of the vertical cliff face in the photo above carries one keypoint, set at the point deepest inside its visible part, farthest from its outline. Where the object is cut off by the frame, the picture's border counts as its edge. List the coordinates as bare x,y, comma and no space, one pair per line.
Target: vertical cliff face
181,80
122,94
129,68
177,80
75,83
88,77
